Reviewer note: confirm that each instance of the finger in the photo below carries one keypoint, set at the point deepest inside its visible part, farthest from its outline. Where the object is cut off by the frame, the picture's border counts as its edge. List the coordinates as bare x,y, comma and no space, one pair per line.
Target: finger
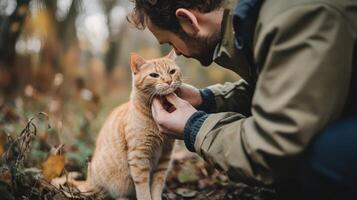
173,99
157,108
185,85
182,88
156,105
178,92
160,115
163,130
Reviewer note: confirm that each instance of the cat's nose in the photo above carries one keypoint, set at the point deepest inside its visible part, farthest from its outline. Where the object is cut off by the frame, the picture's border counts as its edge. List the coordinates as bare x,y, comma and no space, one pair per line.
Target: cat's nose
168,82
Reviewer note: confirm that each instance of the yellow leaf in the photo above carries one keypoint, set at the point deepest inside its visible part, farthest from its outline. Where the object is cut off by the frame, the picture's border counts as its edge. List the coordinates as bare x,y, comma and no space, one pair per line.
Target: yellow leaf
2,143
53,167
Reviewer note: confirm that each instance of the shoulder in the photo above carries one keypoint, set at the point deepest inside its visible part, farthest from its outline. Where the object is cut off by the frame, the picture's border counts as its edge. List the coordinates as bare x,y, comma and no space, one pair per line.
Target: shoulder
281,16
272,9
287,22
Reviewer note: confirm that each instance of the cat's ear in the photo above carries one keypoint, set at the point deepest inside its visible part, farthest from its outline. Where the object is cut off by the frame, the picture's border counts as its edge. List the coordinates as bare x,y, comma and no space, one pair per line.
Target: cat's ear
136,62
172,55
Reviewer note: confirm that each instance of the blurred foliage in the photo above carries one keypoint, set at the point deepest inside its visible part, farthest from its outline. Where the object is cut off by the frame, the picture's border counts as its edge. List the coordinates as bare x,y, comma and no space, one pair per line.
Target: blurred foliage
86,43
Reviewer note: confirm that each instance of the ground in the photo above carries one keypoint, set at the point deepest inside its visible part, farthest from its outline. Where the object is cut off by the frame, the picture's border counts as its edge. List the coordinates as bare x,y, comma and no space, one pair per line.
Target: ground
31,160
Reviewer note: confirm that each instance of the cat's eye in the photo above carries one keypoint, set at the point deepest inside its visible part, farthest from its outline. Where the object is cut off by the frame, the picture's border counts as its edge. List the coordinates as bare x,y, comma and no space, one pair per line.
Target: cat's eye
172,71
154,75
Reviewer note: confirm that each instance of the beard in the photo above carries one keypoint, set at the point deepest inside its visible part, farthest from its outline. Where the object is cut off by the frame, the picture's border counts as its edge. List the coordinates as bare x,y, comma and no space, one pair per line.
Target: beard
202,48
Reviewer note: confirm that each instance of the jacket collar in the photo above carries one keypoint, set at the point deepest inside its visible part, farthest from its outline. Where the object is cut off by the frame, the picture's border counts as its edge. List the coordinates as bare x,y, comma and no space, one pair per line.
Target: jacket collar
225,47
238,25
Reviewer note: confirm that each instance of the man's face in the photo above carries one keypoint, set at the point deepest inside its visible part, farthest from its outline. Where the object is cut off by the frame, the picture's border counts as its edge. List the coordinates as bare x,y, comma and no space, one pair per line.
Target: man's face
200,47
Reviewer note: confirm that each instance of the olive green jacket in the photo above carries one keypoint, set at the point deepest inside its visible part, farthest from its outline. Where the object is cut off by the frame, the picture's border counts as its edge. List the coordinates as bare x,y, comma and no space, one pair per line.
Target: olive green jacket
303,51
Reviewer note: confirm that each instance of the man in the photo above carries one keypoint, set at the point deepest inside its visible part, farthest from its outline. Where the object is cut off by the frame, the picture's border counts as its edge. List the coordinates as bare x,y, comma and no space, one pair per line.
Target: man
291,120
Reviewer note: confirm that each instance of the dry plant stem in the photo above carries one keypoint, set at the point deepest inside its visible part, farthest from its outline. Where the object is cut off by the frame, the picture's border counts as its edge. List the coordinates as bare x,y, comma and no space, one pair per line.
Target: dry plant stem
23,143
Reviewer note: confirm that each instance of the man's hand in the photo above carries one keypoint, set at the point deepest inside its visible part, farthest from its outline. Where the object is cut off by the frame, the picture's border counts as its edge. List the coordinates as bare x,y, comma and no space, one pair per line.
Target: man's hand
191,94
172,123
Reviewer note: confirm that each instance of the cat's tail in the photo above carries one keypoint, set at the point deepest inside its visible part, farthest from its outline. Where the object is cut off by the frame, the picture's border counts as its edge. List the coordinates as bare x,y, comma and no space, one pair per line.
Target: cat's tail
71,180
83,186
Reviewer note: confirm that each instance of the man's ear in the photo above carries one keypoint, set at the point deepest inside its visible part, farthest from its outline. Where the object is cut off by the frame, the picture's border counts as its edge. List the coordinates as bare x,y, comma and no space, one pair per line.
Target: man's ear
172,55
136,62
188,21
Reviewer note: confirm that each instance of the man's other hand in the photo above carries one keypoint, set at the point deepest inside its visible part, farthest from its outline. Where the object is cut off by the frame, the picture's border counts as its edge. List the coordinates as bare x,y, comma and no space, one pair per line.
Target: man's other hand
190,93
172,121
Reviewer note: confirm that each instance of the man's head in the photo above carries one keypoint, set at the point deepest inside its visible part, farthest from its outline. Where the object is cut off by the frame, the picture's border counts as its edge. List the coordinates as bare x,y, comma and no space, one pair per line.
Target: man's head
192,27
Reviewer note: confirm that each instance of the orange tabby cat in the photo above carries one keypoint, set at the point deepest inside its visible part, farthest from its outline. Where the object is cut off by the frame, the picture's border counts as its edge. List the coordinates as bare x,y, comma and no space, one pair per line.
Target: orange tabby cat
132,157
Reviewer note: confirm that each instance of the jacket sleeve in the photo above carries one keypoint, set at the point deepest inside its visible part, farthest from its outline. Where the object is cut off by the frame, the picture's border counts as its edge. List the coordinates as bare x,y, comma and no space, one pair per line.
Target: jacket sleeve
302,87
231,96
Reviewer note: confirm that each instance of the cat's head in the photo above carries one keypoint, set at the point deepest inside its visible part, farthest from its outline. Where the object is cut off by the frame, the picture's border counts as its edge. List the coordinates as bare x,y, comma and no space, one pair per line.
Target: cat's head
157,76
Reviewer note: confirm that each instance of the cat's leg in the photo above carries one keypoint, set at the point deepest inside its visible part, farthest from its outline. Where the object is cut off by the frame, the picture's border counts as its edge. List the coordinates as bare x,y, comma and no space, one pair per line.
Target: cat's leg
139,165
160,173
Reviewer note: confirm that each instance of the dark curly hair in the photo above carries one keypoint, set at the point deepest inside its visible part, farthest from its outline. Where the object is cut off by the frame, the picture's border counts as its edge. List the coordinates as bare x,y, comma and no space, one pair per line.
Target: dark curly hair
162,12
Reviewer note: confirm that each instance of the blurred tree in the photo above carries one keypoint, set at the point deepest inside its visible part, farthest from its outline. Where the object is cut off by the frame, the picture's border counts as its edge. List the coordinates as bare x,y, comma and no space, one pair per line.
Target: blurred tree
115,37
57,42
10,29
58,50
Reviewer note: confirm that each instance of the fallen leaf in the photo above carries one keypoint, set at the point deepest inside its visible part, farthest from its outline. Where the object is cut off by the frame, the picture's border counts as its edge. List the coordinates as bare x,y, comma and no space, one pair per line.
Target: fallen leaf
53,167
186,192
